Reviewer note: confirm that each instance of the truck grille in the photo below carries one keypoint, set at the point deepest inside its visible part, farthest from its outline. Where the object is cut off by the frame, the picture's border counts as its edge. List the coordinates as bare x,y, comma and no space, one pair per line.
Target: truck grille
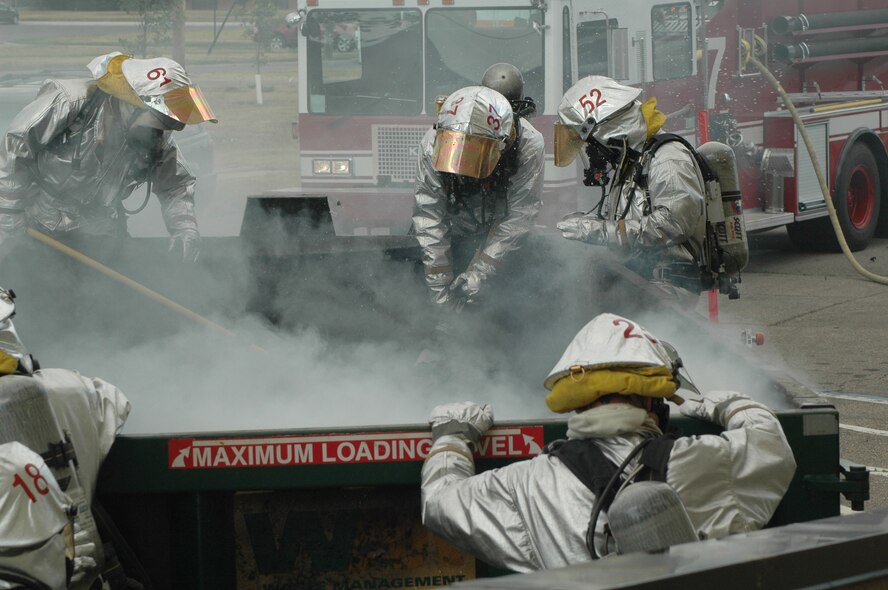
396,150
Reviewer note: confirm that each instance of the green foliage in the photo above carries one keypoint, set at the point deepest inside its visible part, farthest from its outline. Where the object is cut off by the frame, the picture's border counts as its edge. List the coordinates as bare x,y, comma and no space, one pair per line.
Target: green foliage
156,20
259,22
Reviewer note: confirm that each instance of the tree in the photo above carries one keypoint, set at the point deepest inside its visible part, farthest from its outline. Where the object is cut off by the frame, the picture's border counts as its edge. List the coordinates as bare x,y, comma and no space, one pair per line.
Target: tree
156,20
259,21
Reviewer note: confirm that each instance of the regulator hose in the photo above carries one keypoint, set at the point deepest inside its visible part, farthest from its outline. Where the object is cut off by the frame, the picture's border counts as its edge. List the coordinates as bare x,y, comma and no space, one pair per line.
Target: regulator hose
824,189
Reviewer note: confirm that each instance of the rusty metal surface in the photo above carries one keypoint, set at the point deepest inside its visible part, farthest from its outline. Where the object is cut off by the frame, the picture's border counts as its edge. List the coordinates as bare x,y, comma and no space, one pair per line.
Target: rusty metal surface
339,540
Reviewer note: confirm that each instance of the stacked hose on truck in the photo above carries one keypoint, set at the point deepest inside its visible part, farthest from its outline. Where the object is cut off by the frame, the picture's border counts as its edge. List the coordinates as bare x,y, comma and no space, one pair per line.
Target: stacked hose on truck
785,25
827,23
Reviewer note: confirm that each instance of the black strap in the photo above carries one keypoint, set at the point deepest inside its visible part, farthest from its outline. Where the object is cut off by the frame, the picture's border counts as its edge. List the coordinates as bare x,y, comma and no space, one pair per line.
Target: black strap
658,140
60,453
586,461
655,458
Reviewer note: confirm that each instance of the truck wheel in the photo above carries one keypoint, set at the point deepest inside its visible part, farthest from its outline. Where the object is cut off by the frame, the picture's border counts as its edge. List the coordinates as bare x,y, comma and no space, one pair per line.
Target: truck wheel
856,198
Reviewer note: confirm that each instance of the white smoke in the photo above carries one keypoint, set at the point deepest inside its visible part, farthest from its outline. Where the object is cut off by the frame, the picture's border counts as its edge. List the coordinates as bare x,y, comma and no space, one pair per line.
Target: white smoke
346,335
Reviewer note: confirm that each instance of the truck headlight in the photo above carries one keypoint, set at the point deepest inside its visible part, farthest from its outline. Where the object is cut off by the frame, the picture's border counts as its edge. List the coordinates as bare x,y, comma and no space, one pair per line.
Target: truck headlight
321,166
342,167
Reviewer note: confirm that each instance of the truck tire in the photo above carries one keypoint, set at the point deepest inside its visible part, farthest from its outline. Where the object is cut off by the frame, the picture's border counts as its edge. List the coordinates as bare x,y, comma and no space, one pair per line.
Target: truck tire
856,198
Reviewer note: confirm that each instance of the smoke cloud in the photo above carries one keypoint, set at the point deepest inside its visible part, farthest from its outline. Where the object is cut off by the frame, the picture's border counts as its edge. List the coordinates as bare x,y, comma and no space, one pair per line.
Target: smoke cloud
302,339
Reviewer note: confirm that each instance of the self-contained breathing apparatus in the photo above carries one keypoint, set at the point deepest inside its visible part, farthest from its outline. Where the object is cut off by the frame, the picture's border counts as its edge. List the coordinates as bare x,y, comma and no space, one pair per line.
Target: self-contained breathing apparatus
629,528
725,246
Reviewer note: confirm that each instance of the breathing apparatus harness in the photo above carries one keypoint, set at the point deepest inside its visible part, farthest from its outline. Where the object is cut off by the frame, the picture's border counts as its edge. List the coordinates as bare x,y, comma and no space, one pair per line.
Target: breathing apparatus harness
587,462
147,143
716,257
602,161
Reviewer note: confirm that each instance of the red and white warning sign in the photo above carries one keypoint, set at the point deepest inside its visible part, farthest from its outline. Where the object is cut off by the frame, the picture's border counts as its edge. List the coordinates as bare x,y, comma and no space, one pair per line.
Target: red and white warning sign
338,449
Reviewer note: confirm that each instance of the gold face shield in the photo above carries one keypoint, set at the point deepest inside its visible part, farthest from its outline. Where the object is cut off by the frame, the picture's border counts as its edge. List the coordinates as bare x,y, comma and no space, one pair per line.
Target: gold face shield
567,144
188,105
466,155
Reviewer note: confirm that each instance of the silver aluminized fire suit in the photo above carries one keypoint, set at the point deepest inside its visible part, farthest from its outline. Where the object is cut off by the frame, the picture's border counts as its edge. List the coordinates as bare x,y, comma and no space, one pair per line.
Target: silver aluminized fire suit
66,164
435,227
534,514
658,229
41,407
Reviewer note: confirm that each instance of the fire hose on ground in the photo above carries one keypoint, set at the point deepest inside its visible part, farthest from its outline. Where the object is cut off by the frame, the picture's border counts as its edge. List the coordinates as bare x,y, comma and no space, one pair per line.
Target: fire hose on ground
751,57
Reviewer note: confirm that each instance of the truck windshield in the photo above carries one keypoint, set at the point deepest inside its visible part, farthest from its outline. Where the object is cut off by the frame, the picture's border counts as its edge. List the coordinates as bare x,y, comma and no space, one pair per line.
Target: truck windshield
364,62
462,43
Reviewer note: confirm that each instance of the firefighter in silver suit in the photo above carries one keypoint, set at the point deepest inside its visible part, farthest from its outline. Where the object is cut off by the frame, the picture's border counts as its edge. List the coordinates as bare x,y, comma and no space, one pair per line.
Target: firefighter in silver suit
71,157
615,377
659,231
70,421
478,190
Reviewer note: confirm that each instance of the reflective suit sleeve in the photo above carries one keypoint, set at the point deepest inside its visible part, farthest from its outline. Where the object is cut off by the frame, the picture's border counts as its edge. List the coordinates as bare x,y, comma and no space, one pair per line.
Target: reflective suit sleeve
174,187
477,513
429,224
677,201
733,482
50,113
525,194
92,410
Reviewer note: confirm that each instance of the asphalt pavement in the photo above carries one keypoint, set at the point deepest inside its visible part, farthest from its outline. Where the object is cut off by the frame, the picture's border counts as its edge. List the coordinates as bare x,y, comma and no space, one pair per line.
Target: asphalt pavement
827,326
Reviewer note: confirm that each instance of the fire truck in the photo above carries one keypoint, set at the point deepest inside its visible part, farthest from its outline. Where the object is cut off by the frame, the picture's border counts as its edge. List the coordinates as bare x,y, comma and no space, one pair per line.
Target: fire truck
365,104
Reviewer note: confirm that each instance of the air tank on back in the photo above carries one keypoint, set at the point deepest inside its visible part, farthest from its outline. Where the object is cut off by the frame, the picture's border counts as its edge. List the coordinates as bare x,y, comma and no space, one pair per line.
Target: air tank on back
728,223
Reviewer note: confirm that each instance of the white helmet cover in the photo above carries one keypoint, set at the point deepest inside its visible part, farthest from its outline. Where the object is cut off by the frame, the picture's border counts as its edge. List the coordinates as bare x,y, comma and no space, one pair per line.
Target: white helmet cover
475,125
159,83
34,514
609,105
611,341
595,97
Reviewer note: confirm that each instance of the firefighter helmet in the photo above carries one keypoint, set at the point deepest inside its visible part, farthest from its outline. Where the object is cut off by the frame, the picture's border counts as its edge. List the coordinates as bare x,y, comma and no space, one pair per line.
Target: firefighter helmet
602,112
609,355
505,79
474,127
36,532
159,84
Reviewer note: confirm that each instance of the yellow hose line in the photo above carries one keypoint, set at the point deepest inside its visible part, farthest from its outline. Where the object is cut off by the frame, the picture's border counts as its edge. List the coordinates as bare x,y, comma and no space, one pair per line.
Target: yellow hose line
125,280
824,189
846,105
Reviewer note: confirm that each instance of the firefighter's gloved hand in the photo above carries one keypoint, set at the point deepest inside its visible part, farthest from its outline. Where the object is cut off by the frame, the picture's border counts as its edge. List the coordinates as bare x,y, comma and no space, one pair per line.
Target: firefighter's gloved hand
719,406
460,290
84,554
457,295
468,419
583,227
185,244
